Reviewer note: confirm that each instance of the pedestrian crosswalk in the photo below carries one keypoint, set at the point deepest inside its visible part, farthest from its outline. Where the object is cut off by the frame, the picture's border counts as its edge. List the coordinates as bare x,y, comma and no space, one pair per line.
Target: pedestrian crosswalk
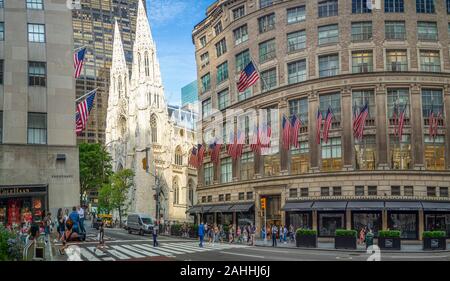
115,252
91,237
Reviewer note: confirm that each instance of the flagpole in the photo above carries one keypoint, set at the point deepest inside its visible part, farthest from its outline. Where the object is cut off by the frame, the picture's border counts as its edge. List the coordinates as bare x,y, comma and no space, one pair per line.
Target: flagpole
85,95
84,46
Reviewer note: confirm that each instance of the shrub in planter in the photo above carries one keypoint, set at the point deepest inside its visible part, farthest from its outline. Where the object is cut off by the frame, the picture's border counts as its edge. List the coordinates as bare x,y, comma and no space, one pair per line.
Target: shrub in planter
345,239
11,246
389,240
306,238
434,240
175,229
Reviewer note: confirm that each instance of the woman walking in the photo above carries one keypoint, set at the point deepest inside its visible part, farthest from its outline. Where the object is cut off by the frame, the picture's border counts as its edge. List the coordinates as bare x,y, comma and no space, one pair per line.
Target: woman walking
100,237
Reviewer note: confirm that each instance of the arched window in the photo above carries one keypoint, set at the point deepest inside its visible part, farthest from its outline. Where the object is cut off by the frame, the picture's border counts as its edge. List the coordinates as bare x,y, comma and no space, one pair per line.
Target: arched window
176,192
178,156
154,127
191,192
147,69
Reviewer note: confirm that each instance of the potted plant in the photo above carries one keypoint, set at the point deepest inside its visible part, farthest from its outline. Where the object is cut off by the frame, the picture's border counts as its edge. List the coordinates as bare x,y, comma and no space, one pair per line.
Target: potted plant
306,238
389,240
434,240
345,239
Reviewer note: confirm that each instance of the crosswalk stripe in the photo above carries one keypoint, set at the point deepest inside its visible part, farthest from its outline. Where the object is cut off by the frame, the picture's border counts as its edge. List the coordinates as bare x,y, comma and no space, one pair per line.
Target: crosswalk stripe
109,259
98,252
87,255
176,252
142,251
192,248
158,251
128,252
170,247
118,254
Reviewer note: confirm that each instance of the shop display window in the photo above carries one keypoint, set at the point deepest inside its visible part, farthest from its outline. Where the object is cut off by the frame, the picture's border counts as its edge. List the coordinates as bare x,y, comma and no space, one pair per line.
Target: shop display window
370,220
405,222
329,222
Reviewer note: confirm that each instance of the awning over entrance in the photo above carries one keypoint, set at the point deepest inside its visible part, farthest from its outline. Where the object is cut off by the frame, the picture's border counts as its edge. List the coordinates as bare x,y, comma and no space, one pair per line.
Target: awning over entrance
403,205
436,206
366,205
220,208
242,207
199,209
329,205
297,206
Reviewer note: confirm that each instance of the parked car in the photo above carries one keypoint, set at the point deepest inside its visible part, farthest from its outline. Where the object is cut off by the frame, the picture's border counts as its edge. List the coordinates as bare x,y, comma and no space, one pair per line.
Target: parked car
140,223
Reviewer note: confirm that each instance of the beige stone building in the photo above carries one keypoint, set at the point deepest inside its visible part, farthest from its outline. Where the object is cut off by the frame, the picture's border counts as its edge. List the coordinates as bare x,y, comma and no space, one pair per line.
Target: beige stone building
38,153
315,55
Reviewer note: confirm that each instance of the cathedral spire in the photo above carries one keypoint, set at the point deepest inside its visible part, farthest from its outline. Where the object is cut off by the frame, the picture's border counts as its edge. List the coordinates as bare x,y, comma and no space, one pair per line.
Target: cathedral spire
118,60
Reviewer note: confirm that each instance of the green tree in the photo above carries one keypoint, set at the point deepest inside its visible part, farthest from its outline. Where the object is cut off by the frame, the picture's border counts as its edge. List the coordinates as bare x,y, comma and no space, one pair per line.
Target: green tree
104,199
95,167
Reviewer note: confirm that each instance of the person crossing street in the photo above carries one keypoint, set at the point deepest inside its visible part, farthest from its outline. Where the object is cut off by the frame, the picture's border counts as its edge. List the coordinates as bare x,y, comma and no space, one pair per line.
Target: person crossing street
201,233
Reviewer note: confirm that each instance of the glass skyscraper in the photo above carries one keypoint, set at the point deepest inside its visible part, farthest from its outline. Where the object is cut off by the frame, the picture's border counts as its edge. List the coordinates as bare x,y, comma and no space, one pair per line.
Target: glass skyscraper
189,93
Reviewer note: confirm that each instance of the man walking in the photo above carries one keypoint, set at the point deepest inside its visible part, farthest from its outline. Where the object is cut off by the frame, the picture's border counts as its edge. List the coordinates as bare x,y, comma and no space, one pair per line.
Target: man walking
81,215
201,232
274,235
155,235
75,218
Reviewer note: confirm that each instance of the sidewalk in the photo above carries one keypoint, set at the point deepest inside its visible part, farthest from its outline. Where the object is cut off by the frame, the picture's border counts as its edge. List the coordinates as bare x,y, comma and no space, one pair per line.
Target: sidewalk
328,245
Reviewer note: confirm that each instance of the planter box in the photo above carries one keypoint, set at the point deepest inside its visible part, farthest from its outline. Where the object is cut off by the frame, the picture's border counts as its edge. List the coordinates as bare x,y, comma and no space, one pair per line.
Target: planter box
388,243
345,242
434,243
307,241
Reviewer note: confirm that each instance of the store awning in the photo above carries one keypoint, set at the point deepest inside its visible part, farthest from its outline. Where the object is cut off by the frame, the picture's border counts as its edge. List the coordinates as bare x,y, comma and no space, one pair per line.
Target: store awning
242,207
436,206
297,206
403,205
220,208
365,205
198,209
329,205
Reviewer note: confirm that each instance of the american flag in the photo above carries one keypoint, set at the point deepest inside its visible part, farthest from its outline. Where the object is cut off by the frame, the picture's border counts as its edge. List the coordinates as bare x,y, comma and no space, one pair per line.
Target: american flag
239,145
248,77
214,149
83,110
401,123
286,133
201,154
361,122
295,127
78,60
264,137
254,142
431,122
327,125
193,159
356,118
318,125
231,144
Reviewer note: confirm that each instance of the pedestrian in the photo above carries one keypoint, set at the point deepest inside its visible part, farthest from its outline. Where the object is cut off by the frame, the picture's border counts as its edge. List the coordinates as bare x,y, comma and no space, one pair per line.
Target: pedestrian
285,232
61,224
291,232
230,231
201,232
155,235
238,234
75,218
362,235
47,223
81,215
101,236
280,233
214,234
274,235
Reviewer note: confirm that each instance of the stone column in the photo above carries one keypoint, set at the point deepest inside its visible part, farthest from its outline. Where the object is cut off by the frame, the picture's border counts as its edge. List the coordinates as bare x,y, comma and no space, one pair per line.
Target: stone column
416,128
382,127
446,115
421,224
284,154
312,117
346,123
348,219
384,218
314,221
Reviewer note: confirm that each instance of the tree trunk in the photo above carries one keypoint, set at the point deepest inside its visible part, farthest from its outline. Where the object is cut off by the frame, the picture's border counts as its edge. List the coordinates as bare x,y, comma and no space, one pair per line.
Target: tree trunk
120,217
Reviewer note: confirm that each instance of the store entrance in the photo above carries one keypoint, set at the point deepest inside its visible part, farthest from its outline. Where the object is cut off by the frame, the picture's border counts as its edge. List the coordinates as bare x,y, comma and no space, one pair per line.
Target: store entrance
273,211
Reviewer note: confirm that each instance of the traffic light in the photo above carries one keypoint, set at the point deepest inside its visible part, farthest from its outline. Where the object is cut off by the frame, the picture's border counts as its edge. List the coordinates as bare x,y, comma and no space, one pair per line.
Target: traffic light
263,203
144,163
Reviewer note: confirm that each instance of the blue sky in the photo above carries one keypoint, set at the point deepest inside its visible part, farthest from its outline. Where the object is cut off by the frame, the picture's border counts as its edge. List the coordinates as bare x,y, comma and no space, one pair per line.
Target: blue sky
172,22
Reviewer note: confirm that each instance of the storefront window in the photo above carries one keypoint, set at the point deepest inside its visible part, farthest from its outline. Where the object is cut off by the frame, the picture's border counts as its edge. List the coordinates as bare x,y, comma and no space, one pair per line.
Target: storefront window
370,220
438,222
329,222
365,151
18,211
332,155
299,220
244,219
224,218
209,218
300,159
400,152
272,165
271,154
435,152
397,101
405,222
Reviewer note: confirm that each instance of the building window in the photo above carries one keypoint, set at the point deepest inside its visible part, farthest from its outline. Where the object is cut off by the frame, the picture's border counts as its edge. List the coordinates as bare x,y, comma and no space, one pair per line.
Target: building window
296,71
206,107
299,107
247,168
221,47
427,31
396,60
239,12
147,65
1,126
434,152
221,197
265,3
395,30
240,35
431,191
332,101
362,61
269,78
430,61
218,28
296,14
328,8
332,155
372,190
300,158
324,191
206,82
242,60
37,74
37,128
267,50
400,152
1,3
397,101
296,41
293,193
271,165
304,192
208,173
443,191
154,128
36,33
432,102
328,34
328,65
245,94
203,41
222,72
266,23
448,6
2,31
337,191
204,59
425,6
191,193
249,195
223,98
360,7
226,170
228,197
408,191
394,6
178,156
359,190
209,198
241,196
176,192
395,191
362,97
203,199
365,153
35,4
361,31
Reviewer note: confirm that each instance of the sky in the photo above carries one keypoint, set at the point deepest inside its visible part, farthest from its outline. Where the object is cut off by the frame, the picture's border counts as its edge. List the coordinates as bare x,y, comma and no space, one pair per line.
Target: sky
172,22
